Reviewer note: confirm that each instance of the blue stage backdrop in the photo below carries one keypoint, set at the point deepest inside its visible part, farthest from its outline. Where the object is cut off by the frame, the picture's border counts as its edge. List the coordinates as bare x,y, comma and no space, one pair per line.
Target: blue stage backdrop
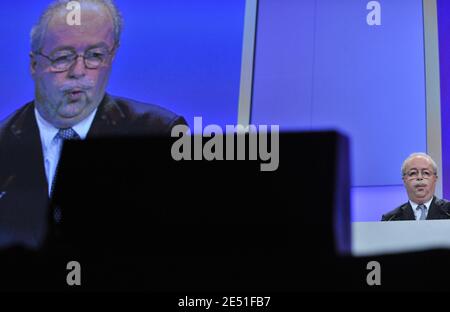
184,55
444,51
319,65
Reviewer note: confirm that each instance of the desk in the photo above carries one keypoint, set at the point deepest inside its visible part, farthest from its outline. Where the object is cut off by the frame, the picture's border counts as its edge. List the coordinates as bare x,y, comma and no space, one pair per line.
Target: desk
376,238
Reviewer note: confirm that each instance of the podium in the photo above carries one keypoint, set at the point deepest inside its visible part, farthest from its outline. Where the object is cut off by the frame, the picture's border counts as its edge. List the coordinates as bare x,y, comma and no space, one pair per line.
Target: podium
379,238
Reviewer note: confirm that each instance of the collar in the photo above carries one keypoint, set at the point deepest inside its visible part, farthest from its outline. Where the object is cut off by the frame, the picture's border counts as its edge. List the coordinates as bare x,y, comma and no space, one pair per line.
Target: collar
427,204
48,131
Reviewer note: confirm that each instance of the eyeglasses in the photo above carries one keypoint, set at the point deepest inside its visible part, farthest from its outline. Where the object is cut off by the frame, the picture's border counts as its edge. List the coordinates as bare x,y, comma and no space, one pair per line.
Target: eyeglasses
62,60
414,174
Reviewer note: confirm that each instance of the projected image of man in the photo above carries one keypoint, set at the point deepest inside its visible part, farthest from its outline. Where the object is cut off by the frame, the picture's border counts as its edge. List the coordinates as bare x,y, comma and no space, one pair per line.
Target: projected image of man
70,64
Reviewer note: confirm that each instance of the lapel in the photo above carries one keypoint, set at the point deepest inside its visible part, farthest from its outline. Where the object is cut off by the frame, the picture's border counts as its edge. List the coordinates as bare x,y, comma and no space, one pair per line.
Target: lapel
408,213
25,209
25,149
108,120
437,210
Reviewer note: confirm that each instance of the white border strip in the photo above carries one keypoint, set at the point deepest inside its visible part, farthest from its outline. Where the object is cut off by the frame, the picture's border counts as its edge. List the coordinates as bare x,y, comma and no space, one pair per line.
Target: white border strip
248,55
433,89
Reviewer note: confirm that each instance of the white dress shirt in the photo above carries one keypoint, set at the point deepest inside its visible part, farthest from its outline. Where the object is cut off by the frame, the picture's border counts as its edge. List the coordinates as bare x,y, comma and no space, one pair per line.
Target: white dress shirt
52,145
417,213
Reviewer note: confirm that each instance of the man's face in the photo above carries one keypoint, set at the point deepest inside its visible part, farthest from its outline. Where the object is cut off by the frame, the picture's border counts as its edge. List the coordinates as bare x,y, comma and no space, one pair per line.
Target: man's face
419,179
66,98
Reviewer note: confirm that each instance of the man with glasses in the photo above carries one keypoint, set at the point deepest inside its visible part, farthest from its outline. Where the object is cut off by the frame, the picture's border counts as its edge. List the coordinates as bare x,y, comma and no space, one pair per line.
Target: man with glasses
419,174
70,65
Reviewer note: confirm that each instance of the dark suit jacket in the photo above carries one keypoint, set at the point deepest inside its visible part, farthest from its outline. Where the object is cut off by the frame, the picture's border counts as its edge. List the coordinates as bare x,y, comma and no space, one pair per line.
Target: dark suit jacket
439,209
24,205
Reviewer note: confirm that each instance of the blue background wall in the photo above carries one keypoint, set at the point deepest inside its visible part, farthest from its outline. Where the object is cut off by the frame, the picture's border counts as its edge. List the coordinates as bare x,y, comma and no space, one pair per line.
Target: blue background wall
184,55
319,65
443,7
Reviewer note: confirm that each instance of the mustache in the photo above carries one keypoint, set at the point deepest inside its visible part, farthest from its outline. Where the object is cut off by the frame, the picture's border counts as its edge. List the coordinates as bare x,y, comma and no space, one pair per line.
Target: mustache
420,184
79,85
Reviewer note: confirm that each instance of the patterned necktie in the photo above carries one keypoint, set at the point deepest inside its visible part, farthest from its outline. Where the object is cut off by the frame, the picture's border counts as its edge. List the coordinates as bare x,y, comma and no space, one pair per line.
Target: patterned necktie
423,210
68,134
63,134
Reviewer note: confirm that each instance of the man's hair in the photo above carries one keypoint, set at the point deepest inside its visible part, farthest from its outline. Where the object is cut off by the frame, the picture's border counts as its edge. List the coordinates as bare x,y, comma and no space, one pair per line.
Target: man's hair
38,30
433,163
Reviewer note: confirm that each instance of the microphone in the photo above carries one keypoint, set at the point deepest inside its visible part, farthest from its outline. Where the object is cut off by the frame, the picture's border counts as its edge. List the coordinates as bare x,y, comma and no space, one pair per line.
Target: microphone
395,215
446,212
6,184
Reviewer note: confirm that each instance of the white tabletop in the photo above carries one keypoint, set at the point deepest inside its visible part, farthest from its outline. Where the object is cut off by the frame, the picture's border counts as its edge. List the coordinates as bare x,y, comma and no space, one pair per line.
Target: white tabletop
377,238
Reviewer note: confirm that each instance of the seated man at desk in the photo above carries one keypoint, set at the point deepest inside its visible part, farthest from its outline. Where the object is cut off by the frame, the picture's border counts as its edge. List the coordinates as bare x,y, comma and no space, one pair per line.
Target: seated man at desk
419,174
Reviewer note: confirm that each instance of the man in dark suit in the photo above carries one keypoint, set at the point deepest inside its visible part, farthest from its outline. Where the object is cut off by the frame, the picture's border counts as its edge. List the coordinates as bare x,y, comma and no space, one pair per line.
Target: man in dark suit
419,172
70,65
